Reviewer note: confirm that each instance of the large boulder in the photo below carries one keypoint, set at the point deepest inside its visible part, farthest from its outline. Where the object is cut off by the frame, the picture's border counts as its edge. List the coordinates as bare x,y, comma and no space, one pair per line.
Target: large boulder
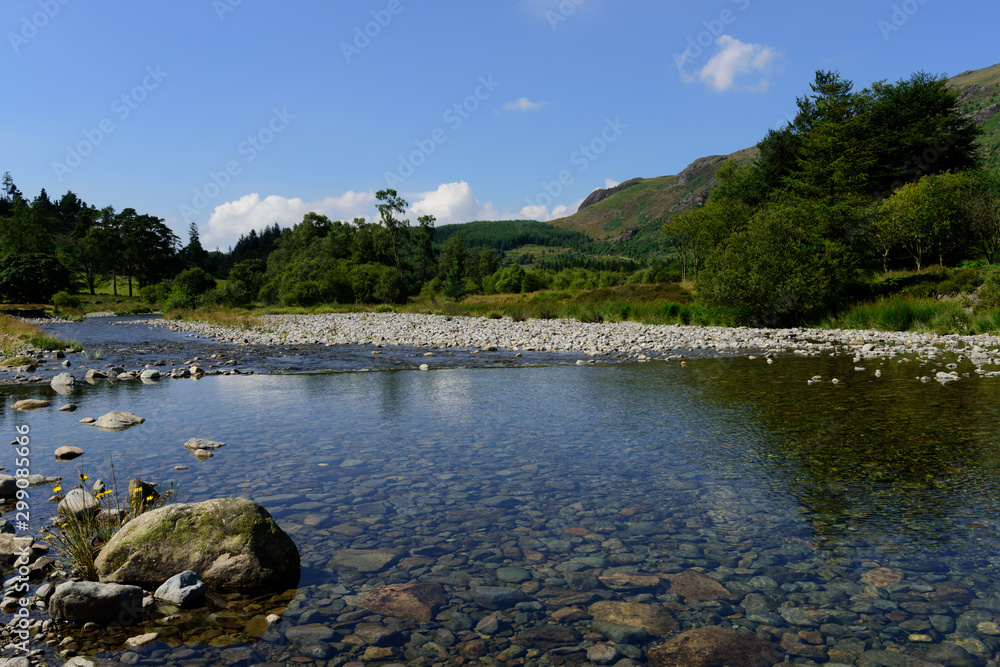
84,601
231,543
715,646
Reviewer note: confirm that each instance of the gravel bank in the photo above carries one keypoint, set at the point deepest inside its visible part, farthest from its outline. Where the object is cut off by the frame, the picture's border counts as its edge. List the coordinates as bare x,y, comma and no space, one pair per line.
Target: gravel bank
617,339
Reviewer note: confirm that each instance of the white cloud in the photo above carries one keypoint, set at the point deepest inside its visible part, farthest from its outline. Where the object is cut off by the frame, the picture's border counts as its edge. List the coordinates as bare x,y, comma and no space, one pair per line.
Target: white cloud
523,104
452,203
610,183
543,214
735,59
231,220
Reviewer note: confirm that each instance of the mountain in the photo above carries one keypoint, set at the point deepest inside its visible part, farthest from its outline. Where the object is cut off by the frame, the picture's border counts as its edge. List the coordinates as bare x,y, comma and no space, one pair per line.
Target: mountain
630,215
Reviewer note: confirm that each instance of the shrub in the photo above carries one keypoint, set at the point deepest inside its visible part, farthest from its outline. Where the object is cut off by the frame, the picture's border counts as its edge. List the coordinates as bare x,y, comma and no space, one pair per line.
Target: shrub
65,301
195,281
155,294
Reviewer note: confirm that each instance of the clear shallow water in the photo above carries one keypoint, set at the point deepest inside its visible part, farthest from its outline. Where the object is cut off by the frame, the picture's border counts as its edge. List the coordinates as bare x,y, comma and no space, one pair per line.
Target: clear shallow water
730,467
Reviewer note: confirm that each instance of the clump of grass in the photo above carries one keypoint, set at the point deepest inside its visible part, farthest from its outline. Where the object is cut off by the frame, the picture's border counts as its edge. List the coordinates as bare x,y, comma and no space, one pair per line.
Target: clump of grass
11,362
226,317
908,313
16,334
80,537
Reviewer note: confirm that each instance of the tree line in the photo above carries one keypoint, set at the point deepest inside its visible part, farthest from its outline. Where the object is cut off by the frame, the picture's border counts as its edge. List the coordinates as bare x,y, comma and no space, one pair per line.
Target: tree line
860,182
48,246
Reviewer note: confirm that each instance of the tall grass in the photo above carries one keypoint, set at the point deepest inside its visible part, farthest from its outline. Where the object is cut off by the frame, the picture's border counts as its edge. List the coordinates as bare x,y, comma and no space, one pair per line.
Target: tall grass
907,313
16,334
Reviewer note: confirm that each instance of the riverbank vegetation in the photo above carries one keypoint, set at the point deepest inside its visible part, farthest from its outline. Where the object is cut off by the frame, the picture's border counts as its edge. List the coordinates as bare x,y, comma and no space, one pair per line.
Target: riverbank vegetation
870,209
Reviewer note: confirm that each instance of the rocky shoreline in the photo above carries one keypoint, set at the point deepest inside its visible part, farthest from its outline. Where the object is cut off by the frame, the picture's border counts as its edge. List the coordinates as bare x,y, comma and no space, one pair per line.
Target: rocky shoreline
615,339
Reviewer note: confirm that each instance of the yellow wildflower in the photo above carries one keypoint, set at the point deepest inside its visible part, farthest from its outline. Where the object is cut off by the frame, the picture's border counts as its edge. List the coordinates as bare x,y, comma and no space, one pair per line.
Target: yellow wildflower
56,489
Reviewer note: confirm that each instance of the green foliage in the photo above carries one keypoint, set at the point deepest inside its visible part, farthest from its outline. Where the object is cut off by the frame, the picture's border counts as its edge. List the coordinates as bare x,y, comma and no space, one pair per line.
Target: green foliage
502,235
195,281
155,294
925,218
32,278
63,300
989,294
776,271
509,279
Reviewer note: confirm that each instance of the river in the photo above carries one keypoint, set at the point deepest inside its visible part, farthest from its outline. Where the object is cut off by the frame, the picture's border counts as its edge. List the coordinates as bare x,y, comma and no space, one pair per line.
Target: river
847,521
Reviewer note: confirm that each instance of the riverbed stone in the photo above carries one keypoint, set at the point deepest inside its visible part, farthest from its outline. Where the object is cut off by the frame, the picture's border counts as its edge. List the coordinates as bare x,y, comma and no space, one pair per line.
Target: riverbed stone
695,586
118,421
715,646
364,560
414,602
232,543
102,603
498,597
882,577
653,619
513,575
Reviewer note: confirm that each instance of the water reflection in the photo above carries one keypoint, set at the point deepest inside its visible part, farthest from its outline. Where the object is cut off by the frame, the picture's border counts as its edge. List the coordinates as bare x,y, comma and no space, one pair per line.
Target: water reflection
741,469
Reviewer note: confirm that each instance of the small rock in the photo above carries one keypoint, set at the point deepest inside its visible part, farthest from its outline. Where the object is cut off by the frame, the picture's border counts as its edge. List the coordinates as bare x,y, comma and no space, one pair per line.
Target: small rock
63,380
77,502
118,421
194,444
182,590
602,654
31,404
69,407
68,453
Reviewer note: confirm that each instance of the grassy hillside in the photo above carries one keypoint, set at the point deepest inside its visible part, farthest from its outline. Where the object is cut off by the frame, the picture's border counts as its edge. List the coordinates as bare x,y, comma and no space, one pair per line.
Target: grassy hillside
979,95
631,218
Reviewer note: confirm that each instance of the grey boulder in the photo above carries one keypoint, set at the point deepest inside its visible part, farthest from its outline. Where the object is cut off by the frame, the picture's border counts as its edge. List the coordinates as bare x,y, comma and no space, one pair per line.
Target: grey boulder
83,601
182,590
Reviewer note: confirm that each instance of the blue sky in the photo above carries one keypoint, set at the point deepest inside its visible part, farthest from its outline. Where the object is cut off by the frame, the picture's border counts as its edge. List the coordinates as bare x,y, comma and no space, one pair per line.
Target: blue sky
235,114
